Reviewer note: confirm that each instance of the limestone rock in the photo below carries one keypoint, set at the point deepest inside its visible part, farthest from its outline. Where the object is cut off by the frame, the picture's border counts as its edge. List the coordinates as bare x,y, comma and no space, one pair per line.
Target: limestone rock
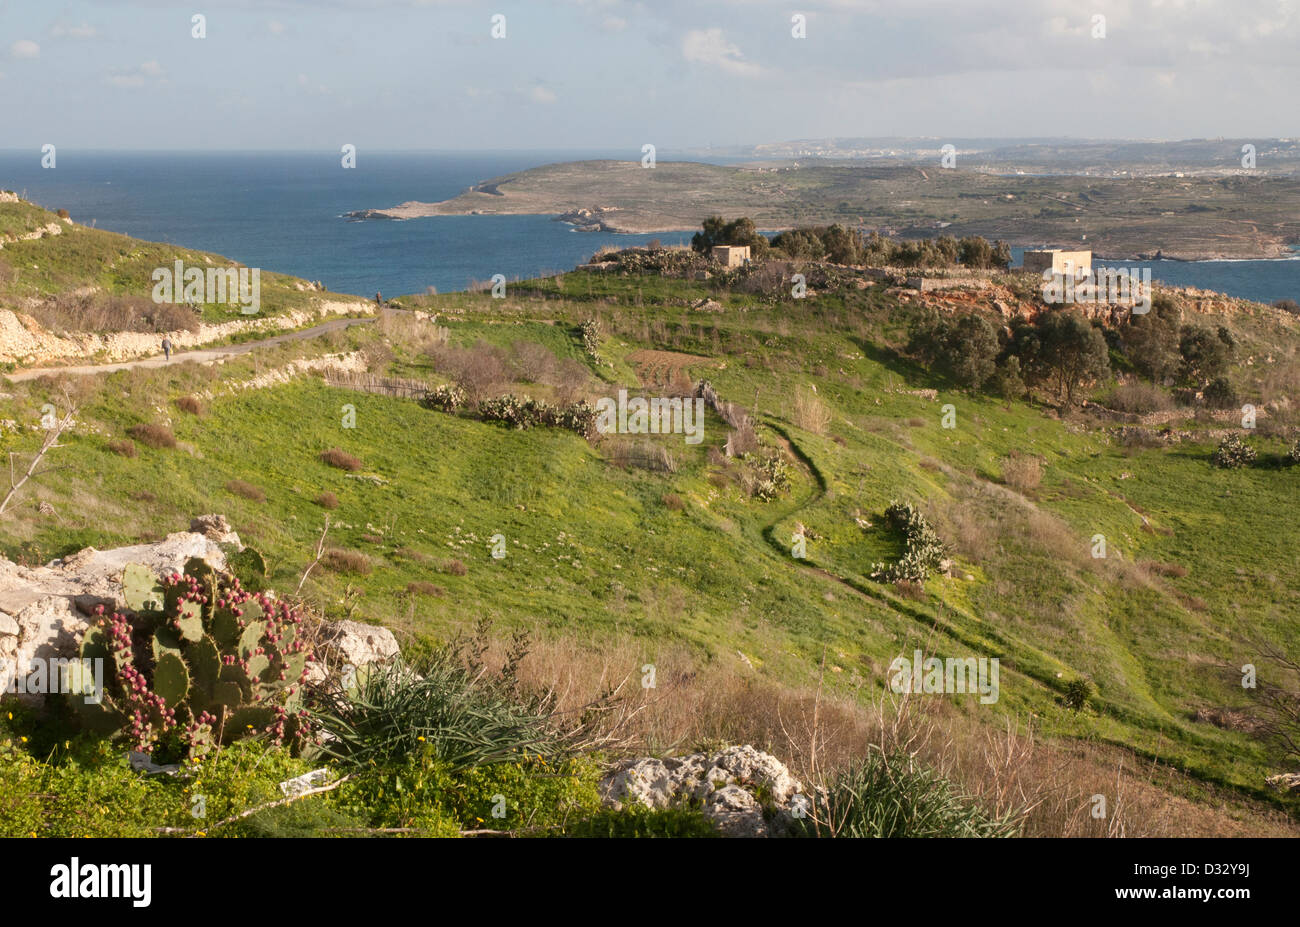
745,792
216,528
44,610
344,643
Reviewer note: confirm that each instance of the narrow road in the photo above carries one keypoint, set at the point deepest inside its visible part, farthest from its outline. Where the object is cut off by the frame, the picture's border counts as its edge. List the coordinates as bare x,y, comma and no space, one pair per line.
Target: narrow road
198,356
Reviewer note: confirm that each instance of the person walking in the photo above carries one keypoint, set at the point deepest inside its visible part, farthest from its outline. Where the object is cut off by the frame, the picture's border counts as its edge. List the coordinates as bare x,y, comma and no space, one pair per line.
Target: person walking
167,348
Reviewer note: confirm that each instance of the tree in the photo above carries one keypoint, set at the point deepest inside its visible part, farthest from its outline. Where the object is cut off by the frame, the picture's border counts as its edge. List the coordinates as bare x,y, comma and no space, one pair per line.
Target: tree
1073,351
1205,354
718,231
972,350
975,252
1151,341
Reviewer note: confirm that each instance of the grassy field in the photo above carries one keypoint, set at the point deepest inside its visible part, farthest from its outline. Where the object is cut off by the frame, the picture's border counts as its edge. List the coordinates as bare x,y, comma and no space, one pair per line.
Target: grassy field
1199,570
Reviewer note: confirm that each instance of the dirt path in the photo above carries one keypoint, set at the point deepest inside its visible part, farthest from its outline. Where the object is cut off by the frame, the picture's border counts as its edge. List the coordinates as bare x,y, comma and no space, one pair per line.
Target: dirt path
202,355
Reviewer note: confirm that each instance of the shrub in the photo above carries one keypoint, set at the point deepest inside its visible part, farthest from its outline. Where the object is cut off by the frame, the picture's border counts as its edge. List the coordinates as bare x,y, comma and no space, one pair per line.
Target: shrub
444,398
1077,693
327,500
122,446
247,490
1233,453
521,414
1219,394
191,404
420,587
454,567
1139,398
673,502
1007,381
895,796
923,552
335,457
152,435
340,560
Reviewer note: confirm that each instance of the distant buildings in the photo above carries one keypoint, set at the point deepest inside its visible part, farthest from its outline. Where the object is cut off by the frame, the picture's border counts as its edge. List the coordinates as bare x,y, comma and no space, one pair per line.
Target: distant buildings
731,255
1056,261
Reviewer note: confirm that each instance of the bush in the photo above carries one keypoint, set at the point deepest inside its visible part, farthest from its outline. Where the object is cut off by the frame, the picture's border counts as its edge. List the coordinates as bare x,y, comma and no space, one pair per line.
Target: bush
339,560
895,796
1220,394
455,567
1233,453
151,435
247,490
122,446
924,551
191,404
673,502
327,500
1139,398
444,398
420,587
1077,693
341,459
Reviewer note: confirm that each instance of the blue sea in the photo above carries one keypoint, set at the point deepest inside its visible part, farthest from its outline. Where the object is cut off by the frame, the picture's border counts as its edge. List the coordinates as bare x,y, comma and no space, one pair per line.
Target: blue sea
286,212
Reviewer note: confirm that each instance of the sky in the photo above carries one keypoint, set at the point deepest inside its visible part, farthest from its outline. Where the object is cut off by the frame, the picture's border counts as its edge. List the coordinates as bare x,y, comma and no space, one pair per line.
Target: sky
603,74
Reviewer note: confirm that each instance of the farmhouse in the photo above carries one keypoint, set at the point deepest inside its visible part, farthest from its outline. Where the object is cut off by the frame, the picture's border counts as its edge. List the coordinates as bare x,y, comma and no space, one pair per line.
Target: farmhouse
1056,261
731,255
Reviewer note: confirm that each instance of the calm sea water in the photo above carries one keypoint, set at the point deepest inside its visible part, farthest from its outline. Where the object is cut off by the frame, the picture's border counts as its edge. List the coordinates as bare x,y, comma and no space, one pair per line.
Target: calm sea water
284,212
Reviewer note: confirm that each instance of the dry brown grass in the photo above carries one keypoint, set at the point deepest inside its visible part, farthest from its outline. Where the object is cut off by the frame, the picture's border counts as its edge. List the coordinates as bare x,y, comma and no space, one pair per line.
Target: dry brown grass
1008,768
191,404
247,490
336,457
1022,473
340,560
420,587
108,312
673,502
327,500
810,413
455,567
122,446
152,435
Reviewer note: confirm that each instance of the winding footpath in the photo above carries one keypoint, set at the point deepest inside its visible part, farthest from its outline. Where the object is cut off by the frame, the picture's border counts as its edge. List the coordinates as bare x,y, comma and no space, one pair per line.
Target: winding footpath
199,356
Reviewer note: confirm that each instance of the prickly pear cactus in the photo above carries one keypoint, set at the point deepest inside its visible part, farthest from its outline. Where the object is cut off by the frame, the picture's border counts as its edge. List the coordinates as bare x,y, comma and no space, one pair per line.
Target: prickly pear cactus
197,660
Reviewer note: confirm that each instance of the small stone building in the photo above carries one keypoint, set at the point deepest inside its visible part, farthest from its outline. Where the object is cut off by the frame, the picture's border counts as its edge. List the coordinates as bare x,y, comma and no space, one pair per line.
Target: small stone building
1065,263
731,255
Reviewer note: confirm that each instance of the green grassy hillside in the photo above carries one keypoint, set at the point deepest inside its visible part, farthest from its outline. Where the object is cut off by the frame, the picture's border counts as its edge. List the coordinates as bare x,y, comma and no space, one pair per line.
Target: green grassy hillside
1199,572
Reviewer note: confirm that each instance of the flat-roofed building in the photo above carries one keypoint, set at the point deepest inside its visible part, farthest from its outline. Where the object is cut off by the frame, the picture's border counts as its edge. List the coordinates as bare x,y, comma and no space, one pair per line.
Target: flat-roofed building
1065,263
731,255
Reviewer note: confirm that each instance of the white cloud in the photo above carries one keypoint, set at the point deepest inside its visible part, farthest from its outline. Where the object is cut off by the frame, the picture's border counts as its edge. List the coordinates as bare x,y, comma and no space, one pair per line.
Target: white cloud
613,24
275,27
62,30
137,77
25,48
709,46
540,94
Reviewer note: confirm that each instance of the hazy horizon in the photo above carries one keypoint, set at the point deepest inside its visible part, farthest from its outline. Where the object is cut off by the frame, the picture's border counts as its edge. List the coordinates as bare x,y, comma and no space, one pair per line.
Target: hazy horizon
415,75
